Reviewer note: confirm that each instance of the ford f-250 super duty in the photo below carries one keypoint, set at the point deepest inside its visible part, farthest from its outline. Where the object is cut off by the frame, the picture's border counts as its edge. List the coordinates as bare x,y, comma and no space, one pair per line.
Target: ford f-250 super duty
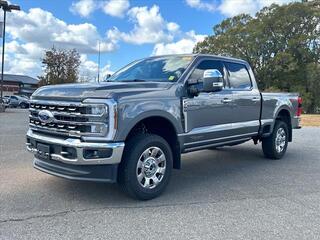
133,127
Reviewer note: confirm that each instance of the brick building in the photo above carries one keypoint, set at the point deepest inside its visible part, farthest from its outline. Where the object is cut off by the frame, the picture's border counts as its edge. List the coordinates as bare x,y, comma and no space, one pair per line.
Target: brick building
19,84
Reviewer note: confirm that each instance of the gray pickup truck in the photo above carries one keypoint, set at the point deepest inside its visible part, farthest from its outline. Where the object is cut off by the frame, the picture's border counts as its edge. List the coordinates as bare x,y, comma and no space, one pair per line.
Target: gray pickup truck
133,128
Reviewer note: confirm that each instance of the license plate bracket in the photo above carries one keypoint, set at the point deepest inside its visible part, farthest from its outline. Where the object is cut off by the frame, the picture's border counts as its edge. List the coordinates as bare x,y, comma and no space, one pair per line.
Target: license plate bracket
43,151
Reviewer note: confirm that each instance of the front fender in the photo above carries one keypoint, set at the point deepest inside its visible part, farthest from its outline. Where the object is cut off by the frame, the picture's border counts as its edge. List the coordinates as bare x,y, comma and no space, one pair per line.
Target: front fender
132,113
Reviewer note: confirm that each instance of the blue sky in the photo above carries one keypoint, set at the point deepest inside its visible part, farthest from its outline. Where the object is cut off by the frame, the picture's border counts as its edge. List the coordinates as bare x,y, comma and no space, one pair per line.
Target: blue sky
126,29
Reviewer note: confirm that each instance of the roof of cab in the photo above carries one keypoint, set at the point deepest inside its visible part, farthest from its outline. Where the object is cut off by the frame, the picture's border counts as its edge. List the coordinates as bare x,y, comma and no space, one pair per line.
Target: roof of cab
203,55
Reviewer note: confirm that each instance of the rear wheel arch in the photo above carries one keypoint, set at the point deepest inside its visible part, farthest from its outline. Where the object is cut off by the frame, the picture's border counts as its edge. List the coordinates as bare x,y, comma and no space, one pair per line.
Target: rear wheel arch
284,116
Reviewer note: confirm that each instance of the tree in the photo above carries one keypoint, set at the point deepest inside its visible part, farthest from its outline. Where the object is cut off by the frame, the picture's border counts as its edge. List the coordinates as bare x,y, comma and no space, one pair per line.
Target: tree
281,43
60,66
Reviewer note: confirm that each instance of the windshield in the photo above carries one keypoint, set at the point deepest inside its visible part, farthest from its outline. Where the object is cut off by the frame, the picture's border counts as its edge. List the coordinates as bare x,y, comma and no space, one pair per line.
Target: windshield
156,69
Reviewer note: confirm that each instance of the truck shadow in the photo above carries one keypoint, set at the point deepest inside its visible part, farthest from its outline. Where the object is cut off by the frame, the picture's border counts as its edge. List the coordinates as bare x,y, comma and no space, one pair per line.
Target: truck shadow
206,176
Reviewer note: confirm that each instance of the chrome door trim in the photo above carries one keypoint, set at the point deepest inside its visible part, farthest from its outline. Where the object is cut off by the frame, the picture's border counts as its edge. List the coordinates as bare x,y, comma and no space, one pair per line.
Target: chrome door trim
190,149
222,138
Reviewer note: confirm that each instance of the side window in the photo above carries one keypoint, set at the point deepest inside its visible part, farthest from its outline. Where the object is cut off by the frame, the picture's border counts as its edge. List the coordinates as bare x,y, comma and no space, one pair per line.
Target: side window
197,73
239,77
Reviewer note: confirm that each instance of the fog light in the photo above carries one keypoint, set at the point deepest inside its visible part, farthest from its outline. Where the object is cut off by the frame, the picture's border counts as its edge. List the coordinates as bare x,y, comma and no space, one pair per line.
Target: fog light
97,153
96,128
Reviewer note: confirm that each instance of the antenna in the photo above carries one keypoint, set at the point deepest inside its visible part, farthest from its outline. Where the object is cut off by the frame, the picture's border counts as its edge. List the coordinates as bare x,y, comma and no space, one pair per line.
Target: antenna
99,62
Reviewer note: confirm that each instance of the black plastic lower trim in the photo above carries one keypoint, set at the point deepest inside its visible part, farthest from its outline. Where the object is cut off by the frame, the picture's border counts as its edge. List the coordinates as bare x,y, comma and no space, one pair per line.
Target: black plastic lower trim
94,173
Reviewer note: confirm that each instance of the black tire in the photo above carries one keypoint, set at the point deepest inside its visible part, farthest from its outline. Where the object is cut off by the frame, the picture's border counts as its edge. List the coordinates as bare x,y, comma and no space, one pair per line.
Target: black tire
128,168
23,105
269,144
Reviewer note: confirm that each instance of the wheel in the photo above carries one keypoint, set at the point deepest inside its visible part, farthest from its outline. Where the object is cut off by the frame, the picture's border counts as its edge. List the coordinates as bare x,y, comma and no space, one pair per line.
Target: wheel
23,105
275,146
146,166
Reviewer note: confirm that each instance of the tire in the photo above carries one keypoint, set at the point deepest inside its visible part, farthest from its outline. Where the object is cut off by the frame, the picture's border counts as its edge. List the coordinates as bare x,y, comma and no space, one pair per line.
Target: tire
275,146
23,105
147,157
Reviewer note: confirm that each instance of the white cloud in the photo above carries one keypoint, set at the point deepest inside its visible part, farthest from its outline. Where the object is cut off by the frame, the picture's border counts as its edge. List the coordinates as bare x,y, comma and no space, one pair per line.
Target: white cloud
149,27
42,28
229,8
33,32
83,7
172,27
116,8
23,58
199,4
185,45
232,8
88,70
22,64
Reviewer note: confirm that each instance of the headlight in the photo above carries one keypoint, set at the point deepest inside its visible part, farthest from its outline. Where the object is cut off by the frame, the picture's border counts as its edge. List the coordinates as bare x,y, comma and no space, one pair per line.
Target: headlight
98,109
102,117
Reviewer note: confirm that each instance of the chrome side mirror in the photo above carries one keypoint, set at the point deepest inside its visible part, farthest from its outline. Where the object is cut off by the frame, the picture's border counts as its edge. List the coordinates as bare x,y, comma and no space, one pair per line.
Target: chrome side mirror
212,80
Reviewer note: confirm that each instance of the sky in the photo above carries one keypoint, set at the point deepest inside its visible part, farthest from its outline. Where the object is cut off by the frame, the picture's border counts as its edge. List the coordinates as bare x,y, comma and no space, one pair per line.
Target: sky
126,30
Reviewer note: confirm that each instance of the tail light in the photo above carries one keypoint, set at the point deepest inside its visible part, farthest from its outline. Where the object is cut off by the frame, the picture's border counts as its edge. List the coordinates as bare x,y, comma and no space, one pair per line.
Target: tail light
299,110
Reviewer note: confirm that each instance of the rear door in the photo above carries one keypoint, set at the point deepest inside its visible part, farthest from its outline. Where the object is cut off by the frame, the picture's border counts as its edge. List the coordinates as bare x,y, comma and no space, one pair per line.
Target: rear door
246,99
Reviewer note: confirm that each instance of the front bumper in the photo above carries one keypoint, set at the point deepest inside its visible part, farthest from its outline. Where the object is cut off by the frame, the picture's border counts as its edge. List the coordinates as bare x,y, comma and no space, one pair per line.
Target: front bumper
75,167
58,147
95,173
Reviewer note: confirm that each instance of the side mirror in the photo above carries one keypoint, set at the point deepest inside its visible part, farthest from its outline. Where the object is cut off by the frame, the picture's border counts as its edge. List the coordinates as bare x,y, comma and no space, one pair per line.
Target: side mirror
107,76
212,80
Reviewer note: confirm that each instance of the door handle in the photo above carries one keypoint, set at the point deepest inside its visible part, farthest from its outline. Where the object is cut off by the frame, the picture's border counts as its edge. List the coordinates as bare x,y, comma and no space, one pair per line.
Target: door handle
226,100
255,99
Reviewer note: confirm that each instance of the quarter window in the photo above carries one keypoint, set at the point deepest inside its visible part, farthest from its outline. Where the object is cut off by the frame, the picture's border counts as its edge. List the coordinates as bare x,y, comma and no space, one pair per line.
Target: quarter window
239,77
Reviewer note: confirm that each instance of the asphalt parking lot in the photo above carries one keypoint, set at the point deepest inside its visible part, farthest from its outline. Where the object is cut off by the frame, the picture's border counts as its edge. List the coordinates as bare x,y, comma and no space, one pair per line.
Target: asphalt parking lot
230,193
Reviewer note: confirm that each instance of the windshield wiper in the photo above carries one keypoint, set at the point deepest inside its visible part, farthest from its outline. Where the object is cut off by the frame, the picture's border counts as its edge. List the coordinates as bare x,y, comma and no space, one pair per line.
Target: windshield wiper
134,80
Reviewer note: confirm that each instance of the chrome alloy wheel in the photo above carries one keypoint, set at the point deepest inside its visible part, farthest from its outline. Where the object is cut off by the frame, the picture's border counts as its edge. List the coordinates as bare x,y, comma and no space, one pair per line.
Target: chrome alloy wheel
280,140
151,167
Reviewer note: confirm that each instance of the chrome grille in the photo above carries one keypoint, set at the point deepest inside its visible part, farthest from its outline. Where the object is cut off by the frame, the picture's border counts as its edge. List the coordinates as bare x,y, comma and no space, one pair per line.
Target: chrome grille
70,118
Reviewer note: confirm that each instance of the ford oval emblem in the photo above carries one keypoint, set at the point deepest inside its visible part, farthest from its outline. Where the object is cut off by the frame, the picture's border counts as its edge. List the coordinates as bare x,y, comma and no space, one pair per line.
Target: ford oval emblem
45,116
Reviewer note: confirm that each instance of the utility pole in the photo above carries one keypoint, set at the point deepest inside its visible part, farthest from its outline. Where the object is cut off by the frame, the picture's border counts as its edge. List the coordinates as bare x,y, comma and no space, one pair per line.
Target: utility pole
3,45
6,8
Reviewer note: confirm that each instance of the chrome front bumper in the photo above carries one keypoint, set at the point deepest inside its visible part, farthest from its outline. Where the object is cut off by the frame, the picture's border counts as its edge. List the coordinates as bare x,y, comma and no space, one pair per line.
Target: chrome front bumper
79,146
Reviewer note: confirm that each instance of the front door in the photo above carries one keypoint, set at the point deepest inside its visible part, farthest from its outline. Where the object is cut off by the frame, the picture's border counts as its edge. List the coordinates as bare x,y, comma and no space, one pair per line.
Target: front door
208,117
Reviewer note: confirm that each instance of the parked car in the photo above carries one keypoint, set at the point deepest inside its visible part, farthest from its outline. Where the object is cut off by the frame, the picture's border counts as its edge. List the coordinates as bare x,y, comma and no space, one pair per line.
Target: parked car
133,128
18,101
5,102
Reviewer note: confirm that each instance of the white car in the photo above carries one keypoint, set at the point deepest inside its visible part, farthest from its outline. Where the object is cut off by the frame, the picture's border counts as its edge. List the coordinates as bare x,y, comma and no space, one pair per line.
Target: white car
17,101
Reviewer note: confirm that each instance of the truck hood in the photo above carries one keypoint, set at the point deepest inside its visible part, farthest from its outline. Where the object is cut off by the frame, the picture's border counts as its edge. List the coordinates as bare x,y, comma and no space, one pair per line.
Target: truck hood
81,91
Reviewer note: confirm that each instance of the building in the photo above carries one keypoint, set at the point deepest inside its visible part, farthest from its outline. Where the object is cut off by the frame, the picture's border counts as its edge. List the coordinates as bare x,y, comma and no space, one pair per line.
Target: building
18,84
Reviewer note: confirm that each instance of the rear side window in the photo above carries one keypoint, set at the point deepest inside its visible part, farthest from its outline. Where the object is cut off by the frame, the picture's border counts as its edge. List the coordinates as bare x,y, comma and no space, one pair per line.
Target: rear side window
239,77
197,73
